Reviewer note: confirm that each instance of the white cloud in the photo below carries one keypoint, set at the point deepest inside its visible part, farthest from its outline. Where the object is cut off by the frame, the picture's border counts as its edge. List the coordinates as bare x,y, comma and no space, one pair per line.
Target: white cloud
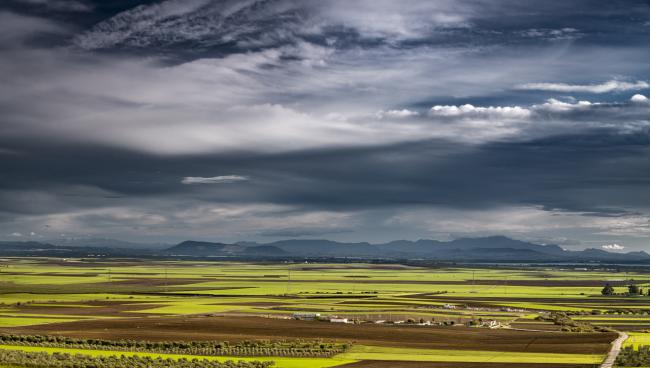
552,34
295,97
516,220
186,219
510,220
16,234
493,112
404,113
255,22
609,86
638,98
393,20
146,24
224,179
613,247
555,105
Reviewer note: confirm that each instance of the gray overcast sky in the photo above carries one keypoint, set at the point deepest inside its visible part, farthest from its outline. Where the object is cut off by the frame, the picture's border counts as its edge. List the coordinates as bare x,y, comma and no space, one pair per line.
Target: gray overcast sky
364,120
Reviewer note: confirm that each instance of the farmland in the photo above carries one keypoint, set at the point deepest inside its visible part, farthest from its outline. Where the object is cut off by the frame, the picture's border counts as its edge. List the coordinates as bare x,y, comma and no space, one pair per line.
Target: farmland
400,316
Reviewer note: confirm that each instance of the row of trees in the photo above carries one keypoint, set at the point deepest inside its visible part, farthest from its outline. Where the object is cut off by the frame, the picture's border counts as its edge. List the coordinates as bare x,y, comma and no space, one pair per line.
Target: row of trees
563,319
632,289
630,357
16,358
296,348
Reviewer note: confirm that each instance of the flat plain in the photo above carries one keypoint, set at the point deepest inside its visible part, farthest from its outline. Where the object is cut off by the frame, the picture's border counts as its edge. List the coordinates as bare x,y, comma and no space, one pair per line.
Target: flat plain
399,316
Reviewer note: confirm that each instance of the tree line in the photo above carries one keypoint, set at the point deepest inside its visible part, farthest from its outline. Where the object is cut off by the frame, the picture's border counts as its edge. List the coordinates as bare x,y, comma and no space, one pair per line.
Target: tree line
632,289
294,348
16,358
630,357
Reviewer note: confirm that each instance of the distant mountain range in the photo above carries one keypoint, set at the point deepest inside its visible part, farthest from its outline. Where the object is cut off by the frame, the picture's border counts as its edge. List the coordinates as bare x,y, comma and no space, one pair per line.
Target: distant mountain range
486,249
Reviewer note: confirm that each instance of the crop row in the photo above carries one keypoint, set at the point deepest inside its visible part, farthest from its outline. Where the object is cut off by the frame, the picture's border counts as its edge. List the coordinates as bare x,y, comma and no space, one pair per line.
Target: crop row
64,360
631,357
296,348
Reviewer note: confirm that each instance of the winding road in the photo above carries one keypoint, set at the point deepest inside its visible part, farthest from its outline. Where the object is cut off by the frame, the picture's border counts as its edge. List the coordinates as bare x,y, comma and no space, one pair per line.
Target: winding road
613,352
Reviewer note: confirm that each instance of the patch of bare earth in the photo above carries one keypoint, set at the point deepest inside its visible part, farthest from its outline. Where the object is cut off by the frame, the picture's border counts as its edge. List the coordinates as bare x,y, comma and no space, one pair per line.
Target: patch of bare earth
230,328
94,308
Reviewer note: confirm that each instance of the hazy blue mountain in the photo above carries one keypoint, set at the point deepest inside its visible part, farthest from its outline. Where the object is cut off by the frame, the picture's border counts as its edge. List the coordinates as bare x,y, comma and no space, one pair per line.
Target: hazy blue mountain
190,247
319,247
486,249
24,245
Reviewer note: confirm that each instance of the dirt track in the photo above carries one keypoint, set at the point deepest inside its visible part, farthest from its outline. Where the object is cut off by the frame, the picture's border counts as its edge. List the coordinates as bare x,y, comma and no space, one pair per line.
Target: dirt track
615,350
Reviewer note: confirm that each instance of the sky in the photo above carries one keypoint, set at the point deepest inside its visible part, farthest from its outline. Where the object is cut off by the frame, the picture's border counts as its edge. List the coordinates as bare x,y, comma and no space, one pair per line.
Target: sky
363,120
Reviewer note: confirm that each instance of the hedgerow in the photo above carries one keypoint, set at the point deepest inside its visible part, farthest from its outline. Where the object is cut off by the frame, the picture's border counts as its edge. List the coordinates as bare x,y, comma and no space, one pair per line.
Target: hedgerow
296,348
631,357
64,360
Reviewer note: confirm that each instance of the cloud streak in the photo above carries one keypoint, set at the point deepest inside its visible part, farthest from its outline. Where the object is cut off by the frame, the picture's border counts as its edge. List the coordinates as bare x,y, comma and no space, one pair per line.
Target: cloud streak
224,179
612,247
606,87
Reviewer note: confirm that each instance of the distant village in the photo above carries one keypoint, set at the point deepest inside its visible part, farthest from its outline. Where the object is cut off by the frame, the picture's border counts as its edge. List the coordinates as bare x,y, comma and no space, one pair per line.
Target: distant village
462,320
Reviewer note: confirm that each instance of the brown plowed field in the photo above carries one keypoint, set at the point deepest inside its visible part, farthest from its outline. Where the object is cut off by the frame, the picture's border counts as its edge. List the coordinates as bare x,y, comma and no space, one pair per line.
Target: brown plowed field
536,326
96,308
254,328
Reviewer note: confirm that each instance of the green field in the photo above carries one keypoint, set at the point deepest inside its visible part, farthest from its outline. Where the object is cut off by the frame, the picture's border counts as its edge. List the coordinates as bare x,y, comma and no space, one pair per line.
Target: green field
476,356
37,293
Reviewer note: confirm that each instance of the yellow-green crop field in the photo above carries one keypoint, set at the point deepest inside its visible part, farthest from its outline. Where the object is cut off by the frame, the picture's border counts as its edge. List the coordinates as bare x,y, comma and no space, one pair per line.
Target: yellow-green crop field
74,296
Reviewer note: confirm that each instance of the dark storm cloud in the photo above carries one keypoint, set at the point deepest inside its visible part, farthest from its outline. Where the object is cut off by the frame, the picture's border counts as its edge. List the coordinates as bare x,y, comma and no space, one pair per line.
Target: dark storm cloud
534,172
331,118
267,23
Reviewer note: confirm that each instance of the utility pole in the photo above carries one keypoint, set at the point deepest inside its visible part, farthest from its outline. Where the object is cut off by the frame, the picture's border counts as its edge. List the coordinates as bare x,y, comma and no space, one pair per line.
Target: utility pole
288,280
473,281
165,278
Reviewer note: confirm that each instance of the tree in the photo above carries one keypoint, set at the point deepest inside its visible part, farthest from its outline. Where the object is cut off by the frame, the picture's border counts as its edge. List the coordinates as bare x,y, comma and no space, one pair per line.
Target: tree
607,290
633,289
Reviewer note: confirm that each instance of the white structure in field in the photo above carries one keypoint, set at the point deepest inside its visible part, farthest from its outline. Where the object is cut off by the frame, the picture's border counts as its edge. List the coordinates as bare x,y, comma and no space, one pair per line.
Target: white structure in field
491,323
306,316
339,320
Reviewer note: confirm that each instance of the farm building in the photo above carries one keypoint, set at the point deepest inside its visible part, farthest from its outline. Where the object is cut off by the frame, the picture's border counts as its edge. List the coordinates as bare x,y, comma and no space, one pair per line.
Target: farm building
306,316
491,324
339,320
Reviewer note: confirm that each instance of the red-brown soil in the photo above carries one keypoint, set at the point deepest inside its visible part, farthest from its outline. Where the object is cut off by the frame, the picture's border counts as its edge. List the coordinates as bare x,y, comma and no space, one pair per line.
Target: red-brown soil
253,328
97,308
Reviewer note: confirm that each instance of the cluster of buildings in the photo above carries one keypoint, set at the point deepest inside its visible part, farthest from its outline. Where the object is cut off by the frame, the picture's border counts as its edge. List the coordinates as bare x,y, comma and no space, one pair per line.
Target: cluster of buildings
491,323
318,317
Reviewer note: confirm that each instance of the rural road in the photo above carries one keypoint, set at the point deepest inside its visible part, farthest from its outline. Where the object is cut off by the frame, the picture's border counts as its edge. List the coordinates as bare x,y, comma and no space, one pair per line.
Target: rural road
613,352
